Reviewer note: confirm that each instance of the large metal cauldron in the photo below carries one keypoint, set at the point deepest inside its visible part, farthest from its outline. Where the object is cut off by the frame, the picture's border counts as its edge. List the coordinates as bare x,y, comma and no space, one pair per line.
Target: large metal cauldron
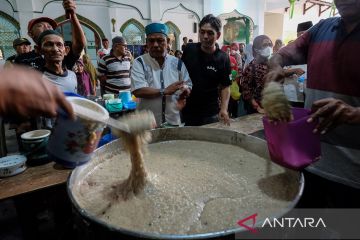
91,227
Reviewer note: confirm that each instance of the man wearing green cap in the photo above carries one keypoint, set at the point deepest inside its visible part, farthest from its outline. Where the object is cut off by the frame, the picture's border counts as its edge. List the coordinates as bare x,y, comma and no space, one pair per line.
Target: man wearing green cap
159,80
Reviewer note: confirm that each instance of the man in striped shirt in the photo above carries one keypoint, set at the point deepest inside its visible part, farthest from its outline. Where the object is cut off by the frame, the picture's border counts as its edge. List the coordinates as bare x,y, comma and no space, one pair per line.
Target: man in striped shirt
114,68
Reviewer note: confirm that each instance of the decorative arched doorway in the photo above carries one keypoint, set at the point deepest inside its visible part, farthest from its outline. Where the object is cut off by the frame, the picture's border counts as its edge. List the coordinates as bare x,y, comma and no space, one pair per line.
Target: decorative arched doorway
237,27
134,33
93,34
9,31
174,33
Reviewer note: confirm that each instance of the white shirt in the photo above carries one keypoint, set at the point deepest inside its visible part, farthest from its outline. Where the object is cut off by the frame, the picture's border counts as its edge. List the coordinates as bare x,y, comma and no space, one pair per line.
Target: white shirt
102,52
151,78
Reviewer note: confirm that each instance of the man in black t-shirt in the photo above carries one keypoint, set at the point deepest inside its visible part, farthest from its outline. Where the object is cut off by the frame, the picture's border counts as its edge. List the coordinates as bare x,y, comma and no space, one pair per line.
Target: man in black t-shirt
38,25
209,70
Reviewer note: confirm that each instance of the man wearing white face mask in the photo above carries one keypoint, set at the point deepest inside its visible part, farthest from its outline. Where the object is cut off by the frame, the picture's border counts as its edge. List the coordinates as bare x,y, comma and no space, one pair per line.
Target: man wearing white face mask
252,81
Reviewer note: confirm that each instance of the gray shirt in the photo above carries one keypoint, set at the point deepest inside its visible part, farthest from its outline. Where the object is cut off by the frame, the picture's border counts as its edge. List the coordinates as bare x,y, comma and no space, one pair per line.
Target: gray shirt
66,82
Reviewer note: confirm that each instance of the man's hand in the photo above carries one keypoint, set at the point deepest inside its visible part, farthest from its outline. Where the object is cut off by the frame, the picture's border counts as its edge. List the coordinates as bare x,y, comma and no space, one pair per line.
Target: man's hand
185,92
296,71
224,117
25,93
171,89
333,112
69,7
128,54
181,102
254,104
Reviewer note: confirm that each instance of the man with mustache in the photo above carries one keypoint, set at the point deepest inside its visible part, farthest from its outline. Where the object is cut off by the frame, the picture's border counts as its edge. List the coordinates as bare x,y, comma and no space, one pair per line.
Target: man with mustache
159,80
52,47
331,50
209,70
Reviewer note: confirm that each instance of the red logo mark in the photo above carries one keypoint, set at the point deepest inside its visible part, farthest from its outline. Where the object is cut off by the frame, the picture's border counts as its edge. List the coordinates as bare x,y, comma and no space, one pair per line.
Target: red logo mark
251,229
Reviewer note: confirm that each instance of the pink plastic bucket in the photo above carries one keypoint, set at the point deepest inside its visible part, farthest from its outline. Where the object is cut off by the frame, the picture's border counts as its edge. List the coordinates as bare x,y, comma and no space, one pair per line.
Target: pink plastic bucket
293,145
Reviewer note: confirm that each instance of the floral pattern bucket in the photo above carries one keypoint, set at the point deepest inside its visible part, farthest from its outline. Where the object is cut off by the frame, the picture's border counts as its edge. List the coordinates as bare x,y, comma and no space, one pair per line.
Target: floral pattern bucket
73,142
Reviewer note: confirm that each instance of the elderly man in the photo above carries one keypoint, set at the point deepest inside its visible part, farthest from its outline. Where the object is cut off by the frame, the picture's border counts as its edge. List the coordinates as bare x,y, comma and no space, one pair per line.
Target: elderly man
330,48
209,69
38,25
159,80
21,46
52,47
114,68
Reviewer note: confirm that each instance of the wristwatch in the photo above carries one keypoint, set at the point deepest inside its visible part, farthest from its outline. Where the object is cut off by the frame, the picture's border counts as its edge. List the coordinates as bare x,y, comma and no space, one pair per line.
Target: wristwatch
162,92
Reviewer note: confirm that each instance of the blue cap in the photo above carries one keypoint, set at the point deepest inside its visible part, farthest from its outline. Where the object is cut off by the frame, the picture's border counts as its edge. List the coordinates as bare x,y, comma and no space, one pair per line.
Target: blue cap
156,28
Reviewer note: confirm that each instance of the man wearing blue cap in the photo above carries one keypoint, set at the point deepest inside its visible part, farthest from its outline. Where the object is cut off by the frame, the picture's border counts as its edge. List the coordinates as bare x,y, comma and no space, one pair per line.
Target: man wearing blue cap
159,80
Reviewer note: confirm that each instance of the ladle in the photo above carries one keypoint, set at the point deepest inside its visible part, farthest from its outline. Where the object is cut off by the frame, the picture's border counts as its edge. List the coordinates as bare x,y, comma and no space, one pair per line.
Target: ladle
132,123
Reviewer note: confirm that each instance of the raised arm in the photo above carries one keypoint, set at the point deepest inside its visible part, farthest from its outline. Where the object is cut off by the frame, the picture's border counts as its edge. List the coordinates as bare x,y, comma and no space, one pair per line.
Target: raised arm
78,36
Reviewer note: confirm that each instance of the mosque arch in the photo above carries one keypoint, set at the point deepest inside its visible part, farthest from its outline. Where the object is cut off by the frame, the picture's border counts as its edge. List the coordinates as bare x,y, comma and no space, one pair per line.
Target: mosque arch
174,34
93,34
9,31
134,32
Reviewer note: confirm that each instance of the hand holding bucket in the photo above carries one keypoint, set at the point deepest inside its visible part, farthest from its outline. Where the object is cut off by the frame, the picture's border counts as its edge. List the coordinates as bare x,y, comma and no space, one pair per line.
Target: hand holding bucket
293,144
73,142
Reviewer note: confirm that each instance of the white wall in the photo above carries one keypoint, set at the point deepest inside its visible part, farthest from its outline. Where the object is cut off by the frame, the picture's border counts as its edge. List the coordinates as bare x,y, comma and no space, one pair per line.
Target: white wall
253,8
290,25
274,26
101,12
6,7
193,5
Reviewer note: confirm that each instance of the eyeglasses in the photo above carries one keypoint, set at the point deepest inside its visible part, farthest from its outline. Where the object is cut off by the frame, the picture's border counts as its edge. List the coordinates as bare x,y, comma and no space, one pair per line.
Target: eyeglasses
121,45
158,40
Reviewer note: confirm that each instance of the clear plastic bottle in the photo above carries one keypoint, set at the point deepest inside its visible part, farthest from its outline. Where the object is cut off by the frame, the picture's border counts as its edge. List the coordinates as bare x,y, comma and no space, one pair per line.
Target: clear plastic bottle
301,81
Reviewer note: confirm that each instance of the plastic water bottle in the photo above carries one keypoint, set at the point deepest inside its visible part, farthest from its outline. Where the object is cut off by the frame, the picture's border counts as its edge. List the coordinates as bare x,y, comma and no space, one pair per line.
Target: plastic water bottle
301,81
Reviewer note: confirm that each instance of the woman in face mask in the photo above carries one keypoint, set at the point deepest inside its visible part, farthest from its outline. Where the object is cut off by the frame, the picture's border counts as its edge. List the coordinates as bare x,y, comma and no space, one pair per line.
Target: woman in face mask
252,81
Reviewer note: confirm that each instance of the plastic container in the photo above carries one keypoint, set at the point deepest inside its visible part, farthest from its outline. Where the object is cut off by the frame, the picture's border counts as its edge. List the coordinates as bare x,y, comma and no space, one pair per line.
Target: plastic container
293,145
301,81
125,96
130,105
12,165
108,96
34,144
114,105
